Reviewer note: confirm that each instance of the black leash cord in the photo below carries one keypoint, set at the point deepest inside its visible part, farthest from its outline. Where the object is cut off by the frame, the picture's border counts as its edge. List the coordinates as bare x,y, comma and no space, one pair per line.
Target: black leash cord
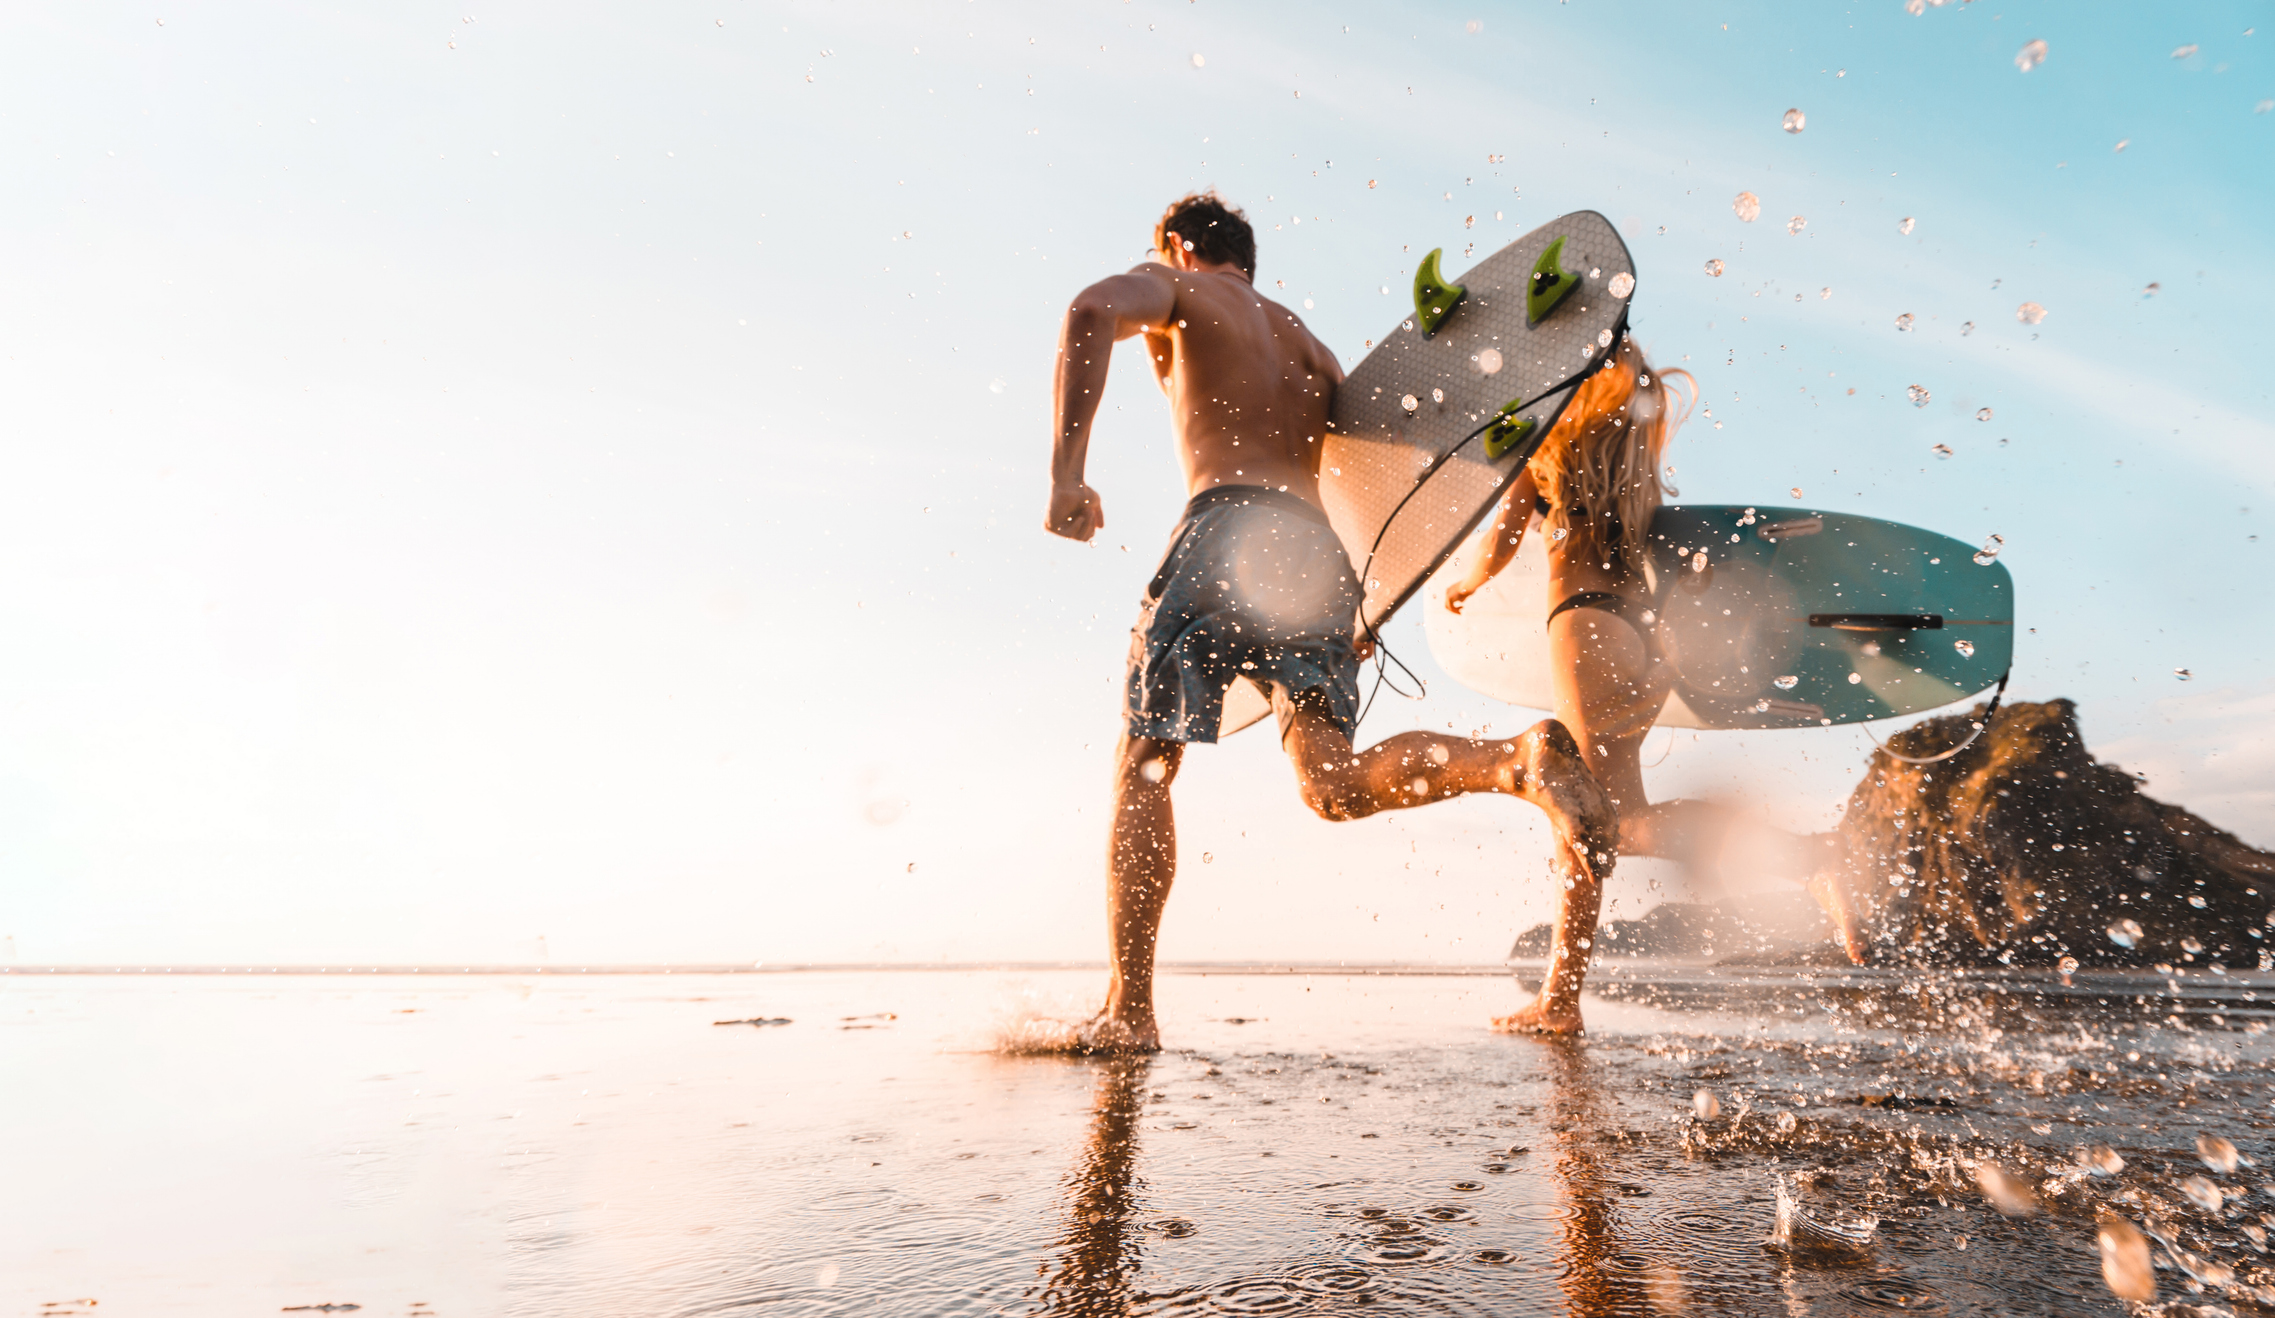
1988,715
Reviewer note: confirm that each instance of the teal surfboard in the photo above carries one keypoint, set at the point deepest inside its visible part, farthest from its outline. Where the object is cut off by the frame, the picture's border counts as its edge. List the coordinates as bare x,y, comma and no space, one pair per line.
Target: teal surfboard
1764,618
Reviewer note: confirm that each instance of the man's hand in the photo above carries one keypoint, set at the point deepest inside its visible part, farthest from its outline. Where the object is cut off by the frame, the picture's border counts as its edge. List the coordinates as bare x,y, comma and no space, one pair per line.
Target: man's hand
1075,512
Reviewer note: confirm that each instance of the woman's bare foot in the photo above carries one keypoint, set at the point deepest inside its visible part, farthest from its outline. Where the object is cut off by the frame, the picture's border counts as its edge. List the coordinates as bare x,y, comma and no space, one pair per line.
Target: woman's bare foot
1541,1017
1105,1033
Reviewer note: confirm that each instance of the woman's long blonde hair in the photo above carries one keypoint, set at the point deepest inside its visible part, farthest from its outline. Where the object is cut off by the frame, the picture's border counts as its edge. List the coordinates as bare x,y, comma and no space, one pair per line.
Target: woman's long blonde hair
1602,459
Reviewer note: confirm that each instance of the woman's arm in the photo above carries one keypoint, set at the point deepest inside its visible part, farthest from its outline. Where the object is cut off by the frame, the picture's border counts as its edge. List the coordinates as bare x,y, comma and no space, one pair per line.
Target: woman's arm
1506,532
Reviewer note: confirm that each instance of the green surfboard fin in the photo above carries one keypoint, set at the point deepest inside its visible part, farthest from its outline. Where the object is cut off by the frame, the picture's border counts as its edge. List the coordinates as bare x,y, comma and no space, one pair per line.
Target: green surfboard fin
1550,282
1434,298
1508,431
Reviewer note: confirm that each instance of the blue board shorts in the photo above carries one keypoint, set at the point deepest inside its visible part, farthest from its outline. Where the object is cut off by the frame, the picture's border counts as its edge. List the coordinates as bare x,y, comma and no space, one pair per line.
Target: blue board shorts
1255,585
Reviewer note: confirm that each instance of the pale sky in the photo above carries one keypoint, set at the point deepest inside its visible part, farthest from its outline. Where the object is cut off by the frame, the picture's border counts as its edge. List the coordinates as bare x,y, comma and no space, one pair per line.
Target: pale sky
576,473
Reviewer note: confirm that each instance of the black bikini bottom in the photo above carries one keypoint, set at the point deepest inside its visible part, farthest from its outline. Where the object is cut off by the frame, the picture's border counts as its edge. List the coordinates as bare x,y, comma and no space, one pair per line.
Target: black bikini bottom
1633,612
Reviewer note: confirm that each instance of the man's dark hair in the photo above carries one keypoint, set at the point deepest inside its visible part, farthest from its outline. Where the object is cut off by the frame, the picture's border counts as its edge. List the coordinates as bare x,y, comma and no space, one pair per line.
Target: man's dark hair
1204,225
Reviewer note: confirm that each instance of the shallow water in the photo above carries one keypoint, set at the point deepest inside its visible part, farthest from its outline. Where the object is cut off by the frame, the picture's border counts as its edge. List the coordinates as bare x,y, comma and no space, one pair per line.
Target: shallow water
595,1145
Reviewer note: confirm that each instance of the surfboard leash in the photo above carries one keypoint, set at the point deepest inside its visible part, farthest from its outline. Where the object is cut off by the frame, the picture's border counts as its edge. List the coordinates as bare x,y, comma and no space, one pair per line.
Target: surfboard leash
1384,657
1980,725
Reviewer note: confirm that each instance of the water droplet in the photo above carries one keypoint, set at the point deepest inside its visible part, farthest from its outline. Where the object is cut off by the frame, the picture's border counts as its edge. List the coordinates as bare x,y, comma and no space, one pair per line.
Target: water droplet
1989,551
2125,1262
2183,52
1698,561
2218,1154
1208,858
1154,770
1785,683
1795,121
1941,450
995,386
2125,933
1903,322
720,21
1824,294
1200,60
1854,678
1966,649
1787,1123
1438,396
1919,395
2182,673
1714,268
2030,56
2197,902
1746,206
1705,1105
2191,946
1796,491
1468,221
1966,328
1489,361
2067,965
1558,534
2030,313
1410,402
2201,1192
1796,225
1307,304
2008,1193
2102,1160
1420,787
1904,225
1622,284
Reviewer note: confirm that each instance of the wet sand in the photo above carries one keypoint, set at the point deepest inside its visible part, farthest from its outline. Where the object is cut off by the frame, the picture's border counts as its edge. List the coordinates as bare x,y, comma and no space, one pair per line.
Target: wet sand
595,1145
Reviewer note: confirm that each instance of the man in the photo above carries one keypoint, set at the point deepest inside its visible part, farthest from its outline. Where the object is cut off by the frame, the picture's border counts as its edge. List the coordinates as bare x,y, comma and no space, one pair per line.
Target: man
1256,585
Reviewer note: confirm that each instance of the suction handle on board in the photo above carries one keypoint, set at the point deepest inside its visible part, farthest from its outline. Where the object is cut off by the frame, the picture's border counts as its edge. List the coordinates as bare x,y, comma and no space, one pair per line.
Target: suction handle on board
1550,282
1434,298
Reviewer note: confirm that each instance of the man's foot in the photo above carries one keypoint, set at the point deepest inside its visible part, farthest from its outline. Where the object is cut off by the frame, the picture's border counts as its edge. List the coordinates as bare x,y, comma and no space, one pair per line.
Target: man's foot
1830,887
1106,1034
1540,1017
1586,821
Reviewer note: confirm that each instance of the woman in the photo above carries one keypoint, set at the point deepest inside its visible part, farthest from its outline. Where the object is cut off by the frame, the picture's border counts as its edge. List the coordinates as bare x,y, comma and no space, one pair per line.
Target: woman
1594,486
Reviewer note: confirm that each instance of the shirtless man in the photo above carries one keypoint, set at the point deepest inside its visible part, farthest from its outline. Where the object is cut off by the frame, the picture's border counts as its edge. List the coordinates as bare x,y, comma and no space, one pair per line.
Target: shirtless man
1256,585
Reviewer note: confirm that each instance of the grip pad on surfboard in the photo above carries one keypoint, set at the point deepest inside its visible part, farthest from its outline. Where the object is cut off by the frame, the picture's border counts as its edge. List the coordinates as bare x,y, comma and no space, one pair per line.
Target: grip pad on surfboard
1434,298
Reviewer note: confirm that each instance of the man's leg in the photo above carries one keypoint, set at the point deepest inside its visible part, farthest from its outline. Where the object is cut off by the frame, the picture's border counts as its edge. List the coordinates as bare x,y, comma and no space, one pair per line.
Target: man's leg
1542,765
1141,863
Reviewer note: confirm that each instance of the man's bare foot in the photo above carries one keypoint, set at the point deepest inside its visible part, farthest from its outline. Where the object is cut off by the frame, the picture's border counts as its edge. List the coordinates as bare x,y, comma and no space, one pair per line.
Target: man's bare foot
1540,1017
1586,821
1103,1033
1830,888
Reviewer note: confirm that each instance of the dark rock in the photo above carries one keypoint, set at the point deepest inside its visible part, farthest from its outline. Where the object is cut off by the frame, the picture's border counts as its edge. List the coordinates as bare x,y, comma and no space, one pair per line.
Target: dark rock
2023,849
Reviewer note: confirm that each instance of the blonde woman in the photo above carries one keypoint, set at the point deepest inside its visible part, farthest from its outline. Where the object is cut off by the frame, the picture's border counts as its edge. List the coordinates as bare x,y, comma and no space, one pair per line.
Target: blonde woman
1594,486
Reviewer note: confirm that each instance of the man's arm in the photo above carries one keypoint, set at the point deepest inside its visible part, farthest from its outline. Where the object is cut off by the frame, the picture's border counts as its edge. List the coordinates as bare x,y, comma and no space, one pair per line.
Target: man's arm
1100,315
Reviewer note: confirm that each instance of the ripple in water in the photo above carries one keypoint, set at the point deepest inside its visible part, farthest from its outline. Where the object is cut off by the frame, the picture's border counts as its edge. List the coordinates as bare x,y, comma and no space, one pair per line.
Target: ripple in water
1448,1213
1256,1295
1493,1255
1898,1294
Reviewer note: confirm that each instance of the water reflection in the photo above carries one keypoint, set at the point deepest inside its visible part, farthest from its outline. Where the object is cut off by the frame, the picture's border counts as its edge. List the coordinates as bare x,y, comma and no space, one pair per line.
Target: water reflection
1600,1273
1099,1249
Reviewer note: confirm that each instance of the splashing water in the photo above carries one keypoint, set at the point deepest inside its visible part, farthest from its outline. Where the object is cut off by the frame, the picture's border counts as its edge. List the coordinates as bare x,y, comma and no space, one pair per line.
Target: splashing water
2008,1193
2030,313
1714,268
2200,1191
2030,56
1966,328
1989,551
1705,1106
1904,225
2191,946
2125,933
1919,395
2125,1262
2183,52
1799,1229
1982,414
2218,1154
1785,683
1489,361
1796,225
1795,121
1966,649
1941,450
2182,673
1903,322
1796,491
1622,284
1746,206
2101,1160
2153,289
1410,402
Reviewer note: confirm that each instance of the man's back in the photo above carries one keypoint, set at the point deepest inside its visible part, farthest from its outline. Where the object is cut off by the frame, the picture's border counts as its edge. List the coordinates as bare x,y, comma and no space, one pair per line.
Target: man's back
1249,386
